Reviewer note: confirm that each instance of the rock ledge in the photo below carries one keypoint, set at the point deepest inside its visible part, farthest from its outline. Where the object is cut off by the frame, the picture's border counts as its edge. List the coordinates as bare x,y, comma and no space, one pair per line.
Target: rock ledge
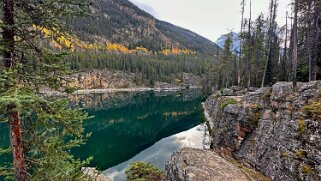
189,164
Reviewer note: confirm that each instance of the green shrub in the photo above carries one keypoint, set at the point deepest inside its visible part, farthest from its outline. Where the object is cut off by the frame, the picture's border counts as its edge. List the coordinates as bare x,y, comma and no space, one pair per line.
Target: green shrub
140,171
227,102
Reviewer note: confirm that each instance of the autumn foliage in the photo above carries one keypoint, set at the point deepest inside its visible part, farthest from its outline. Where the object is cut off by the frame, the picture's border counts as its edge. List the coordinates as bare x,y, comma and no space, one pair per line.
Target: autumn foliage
65,40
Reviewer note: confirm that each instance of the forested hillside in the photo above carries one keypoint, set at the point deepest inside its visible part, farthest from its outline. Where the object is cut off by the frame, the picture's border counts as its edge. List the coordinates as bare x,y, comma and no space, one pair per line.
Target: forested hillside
117,35
120,21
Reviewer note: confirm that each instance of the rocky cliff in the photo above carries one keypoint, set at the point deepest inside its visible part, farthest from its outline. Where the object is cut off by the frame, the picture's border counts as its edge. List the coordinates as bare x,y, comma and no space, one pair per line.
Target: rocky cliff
113,79
275,130
98,79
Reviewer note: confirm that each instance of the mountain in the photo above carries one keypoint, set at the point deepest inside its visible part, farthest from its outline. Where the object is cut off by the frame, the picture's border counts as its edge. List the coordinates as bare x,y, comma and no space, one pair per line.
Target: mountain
236,42
120,21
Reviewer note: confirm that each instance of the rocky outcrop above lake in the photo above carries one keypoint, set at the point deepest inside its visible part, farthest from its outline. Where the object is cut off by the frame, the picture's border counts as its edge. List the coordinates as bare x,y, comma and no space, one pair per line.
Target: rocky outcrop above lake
113,79
190,164
275,130
101,79
94,174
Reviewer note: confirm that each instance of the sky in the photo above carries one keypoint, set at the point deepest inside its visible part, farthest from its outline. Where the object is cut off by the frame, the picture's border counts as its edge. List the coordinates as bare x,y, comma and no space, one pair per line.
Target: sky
209,18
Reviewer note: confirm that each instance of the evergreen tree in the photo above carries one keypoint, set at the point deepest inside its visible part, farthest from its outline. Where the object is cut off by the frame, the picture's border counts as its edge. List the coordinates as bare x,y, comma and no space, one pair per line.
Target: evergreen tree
42,131
295,45
259,49
273,46
226,59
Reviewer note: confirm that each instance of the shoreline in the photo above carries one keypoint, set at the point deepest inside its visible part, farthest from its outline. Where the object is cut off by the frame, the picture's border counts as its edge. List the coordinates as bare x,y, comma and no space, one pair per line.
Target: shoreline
139,89
133,89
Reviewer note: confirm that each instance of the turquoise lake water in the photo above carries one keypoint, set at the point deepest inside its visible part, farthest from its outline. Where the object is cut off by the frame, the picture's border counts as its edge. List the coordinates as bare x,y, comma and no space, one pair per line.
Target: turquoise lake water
127,124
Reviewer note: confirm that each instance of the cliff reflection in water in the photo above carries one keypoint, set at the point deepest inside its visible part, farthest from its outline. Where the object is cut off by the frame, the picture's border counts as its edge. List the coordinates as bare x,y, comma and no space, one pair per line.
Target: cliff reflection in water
128,123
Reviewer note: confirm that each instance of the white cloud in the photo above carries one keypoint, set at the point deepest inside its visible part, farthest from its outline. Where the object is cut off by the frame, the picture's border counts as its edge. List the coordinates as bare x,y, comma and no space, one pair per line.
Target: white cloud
209,18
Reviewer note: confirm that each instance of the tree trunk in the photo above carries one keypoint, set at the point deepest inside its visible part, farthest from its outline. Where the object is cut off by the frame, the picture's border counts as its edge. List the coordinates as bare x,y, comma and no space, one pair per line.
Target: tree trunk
249,65
309,42
269,45
316,48
295,45
16,143
241,42
235,73
285,56
13,116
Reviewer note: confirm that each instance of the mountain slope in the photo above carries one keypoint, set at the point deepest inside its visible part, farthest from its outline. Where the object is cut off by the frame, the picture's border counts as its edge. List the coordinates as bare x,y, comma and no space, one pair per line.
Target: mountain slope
120,21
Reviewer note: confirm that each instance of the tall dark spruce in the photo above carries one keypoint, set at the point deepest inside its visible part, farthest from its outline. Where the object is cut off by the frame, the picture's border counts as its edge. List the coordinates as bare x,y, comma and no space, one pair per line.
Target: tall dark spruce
38,126
8,34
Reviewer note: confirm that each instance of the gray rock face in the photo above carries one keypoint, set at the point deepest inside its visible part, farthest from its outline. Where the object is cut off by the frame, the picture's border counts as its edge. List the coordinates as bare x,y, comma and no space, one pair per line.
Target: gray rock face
269,130
228,92
94,174
113,79
234,91
193,81
190,164
102,79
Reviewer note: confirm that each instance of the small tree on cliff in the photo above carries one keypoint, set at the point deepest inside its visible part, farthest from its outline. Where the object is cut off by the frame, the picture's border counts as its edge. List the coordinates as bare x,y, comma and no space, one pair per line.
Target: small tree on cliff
38,127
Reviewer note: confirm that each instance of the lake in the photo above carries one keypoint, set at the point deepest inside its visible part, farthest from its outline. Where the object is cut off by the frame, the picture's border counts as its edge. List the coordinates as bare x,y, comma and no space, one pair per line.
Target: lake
137,126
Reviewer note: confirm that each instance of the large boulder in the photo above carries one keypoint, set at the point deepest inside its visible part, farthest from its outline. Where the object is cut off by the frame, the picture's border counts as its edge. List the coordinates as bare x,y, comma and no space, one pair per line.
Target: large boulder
189,164
94,174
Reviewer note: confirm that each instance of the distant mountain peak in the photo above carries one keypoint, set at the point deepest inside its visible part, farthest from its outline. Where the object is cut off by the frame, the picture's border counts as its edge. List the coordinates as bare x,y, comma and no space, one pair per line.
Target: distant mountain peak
236,42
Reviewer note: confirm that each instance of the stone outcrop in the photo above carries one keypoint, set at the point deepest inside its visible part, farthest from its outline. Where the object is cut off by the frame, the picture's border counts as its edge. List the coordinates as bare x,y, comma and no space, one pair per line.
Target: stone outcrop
113,79
237,91
274,130
189,164
193,81
94,174
101,79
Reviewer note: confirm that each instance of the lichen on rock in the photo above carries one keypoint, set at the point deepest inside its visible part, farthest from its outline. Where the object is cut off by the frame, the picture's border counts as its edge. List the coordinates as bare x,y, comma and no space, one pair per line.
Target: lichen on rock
270,128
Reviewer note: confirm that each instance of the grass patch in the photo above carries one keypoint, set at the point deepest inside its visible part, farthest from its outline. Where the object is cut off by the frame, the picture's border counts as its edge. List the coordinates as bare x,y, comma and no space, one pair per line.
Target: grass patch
306,169
313,110
300,154
227,102
284,155
301,125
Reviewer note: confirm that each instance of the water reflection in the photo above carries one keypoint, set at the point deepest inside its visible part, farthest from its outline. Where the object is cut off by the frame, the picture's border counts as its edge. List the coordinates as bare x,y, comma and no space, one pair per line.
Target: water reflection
127,123
161,151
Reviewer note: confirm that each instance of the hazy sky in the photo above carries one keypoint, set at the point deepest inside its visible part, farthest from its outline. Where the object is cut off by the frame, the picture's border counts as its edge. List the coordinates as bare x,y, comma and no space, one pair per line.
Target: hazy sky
209,18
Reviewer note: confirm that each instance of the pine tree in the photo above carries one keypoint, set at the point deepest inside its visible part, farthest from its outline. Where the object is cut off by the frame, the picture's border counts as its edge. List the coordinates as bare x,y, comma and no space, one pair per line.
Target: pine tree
39,127
259,49
284,71
250,51
295,45
272,45
243,3
226,60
